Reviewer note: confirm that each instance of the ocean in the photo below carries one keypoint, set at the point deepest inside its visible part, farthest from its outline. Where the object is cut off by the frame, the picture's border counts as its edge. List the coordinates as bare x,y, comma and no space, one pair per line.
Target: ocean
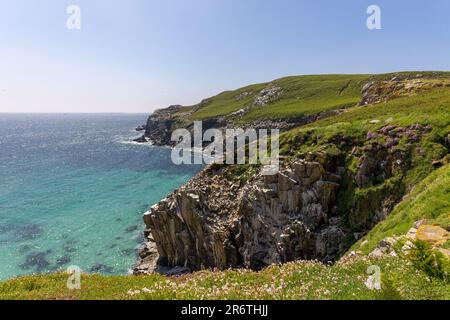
73,189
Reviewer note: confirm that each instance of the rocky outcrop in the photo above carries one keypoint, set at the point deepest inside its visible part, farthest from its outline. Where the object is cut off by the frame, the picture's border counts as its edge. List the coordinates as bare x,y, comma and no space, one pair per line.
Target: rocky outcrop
213,222
290,216
432,234
141,139
399,85
162,123
267,96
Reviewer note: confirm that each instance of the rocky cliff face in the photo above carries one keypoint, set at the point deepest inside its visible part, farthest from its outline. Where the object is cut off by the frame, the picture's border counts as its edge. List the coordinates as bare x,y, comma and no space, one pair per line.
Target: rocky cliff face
213,222
161,124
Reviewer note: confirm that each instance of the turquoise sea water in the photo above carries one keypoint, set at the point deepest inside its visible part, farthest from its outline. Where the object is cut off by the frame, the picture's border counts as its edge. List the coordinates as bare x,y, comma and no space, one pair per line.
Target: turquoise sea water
73,190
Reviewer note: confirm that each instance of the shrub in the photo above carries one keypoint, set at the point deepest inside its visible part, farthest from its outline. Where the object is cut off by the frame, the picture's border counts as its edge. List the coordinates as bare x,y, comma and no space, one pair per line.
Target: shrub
431,261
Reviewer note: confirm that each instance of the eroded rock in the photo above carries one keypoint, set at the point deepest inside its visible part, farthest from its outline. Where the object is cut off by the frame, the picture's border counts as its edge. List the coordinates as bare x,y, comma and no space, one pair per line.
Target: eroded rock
212,222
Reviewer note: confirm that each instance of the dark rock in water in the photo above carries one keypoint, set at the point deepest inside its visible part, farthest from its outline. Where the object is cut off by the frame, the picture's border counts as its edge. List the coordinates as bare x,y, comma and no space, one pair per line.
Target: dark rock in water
29,231
140,237
37,261
141,128
129,252
64,260
69,248
141,139
23,232
25,248
101,268
131,228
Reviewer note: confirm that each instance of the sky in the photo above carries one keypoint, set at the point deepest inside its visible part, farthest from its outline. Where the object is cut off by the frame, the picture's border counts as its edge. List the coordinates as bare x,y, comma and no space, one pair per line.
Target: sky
140,55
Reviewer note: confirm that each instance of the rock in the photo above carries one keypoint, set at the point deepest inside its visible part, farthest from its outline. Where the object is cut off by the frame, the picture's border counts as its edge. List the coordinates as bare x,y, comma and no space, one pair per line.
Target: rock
242,96
353,255
141,128
418,223
447,140
377,253
432,234
411,234
141,139
148,262
267,96
407,247
400,85
437,164
213,223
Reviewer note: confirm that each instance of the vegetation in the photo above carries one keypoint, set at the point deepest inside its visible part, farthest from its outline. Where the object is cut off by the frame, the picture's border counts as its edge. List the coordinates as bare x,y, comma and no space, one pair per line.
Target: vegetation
301,95
429,200
297,280
431,261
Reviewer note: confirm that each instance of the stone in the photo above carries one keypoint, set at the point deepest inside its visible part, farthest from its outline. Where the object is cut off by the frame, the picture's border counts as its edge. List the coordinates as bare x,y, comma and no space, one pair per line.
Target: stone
141,139
377,253
140,128
432,234
418,223
407,247
267,96
411,234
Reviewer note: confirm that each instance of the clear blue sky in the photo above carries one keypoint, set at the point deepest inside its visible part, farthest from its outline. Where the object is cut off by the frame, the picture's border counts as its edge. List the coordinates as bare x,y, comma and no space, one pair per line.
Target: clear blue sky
138,55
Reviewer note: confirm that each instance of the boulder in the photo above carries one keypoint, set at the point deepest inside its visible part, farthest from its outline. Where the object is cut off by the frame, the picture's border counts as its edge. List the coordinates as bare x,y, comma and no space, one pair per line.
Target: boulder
432,234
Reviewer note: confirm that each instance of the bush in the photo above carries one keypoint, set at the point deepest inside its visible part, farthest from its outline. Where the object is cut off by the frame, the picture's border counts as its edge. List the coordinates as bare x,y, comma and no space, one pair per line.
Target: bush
431,261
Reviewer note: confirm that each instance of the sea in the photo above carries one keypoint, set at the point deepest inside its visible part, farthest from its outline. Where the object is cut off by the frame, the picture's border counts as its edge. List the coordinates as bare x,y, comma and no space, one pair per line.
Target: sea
73,189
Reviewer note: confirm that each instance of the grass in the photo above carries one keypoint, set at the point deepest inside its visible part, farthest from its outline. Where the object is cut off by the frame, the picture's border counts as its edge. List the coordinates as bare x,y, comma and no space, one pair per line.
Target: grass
296,280
302,95
429,200
429,108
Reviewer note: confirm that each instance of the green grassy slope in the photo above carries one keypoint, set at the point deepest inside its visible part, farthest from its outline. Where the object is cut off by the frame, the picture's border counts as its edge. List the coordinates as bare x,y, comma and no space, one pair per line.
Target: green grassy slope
298,280
302,95
429,200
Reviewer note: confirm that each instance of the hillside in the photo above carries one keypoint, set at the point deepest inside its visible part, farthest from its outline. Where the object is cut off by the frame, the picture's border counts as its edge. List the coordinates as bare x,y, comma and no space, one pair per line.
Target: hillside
364,176
285,98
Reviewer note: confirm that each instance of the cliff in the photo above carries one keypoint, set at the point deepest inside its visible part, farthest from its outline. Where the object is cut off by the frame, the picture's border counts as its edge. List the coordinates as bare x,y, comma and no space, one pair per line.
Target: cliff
344,169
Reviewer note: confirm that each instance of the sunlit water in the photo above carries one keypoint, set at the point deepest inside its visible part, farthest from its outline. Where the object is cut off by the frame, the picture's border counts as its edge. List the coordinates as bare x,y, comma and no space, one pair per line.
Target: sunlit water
73,191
